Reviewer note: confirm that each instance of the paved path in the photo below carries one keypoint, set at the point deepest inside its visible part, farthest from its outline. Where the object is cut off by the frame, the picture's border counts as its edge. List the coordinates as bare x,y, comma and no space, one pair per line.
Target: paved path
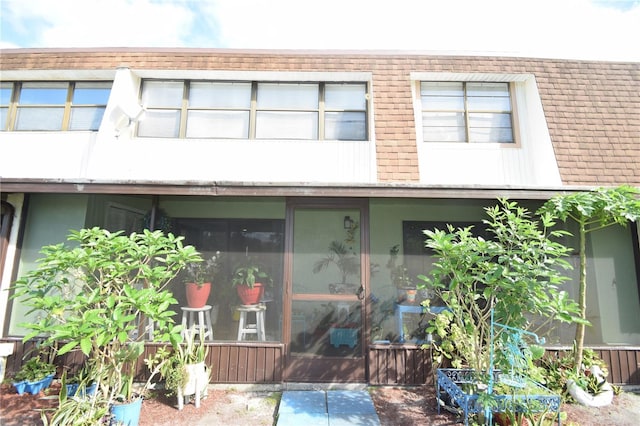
327,408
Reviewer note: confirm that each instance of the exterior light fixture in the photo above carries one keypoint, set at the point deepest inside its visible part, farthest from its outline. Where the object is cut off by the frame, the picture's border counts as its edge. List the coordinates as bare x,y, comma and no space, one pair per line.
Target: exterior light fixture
348,223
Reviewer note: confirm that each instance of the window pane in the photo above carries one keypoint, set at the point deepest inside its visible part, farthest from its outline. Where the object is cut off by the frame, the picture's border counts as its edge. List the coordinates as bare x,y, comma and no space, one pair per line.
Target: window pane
159,94
43,93
488,89
86,118
345,96
491,134
220,95
5,93
287,96
39,119
488,104
443,119
160,123
489,120
286,125
442,96
441,88
91,93
218,124
442,103
345,126
443,127
490,128
3,118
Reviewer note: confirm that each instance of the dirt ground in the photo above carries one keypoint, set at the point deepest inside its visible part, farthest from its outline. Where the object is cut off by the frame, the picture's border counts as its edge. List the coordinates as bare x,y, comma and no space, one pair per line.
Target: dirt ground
411,406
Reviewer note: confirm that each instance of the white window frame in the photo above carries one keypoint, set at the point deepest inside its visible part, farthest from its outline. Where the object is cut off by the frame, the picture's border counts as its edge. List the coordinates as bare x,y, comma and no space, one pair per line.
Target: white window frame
68,107
254,110
466,111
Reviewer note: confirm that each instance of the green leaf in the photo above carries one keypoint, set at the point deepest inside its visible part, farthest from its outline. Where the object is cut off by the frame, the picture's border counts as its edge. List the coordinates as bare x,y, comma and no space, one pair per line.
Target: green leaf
67,347
85,345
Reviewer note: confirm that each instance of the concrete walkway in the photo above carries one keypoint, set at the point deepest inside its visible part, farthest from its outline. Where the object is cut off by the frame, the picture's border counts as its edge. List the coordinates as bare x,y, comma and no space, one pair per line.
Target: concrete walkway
327,408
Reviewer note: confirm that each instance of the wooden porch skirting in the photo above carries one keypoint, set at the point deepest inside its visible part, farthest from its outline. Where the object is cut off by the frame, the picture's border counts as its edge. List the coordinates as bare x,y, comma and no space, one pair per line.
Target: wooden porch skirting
394,364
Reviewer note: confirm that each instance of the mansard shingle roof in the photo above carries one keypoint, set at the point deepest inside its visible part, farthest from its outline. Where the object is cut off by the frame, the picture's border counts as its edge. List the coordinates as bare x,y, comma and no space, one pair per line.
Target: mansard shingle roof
592,108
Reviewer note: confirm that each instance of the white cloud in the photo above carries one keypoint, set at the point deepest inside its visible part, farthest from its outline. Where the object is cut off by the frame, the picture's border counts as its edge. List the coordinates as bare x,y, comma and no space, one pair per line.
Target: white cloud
87,23
596,29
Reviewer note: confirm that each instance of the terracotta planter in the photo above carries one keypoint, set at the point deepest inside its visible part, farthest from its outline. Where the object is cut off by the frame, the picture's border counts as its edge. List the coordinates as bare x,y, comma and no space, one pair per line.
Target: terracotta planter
406,295
197,295
250,296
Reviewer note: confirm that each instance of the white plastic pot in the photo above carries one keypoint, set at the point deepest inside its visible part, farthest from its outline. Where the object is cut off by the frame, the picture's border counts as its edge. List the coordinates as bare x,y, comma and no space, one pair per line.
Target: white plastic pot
6,349
583,397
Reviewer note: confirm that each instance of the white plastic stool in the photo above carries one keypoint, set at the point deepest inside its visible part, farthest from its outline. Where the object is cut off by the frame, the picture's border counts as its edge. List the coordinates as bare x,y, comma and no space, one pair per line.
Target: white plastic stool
188,321
257,328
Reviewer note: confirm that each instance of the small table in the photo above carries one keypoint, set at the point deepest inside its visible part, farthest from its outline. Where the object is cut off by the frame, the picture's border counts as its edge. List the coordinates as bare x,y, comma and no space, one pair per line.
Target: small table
413,309
256,328
204,321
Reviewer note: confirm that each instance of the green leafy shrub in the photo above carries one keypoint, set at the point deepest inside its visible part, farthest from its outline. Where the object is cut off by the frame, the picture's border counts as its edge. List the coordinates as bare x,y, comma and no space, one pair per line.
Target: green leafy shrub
516,274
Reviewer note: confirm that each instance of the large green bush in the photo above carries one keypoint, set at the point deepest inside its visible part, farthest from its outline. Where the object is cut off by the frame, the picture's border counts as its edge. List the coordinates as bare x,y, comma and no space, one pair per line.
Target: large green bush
516,273
98,293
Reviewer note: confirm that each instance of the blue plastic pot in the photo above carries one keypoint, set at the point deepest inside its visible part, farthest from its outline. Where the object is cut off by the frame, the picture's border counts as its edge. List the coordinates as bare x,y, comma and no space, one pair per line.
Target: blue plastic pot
33,387
20,386
75,389
127,414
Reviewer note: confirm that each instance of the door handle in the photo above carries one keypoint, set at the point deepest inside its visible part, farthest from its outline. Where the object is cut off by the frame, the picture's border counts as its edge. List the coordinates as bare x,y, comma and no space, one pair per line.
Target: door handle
360,292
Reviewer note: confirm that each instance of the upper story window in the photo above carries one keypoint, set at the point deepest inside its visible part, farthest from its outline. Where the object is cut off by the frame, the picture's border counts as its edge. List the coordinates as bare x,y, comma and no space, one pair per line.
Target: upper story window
254,110
53,105
473,112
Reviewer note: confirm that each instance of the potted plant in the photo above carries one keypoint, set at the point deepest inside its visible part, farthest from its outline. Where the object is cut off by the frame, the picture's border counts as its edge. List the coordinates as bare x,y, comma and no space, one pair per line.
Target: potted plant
249,280
81,383
34,376
347,263
186,373
97,296
400,277
198,278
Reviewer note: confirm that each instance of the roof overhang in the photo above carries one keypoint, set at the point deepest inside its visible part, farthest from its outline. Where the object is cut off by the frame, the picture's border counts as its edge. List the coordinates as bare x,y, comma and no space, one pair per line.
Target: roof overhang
278,189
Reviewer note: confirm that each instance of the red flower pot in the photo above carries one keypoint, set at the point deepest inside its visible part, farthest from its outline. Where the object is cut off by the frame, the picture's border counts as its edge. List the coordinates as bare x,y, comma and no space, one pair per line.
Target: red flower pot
197,295
250,296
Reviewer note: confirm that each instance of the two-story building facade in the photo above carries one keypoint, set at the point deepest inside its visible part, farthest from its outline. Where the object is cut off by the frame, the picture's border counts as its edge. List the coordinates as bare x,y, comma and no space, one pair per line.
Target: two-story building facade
275,155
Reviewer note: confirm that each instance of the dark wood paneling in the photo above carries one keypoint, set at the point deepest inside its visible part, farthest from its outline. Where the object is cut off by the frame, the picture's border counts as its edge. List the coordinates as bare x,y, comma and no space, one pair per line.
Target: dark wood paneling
623,362
399,365
388,364
410,365
230,362
246,363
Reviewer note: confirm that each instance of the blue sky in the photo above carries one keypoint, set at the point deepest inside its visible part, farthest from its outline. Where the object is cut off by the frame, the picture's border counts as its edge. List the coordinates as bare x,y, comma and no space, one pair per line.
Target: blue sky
572,29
